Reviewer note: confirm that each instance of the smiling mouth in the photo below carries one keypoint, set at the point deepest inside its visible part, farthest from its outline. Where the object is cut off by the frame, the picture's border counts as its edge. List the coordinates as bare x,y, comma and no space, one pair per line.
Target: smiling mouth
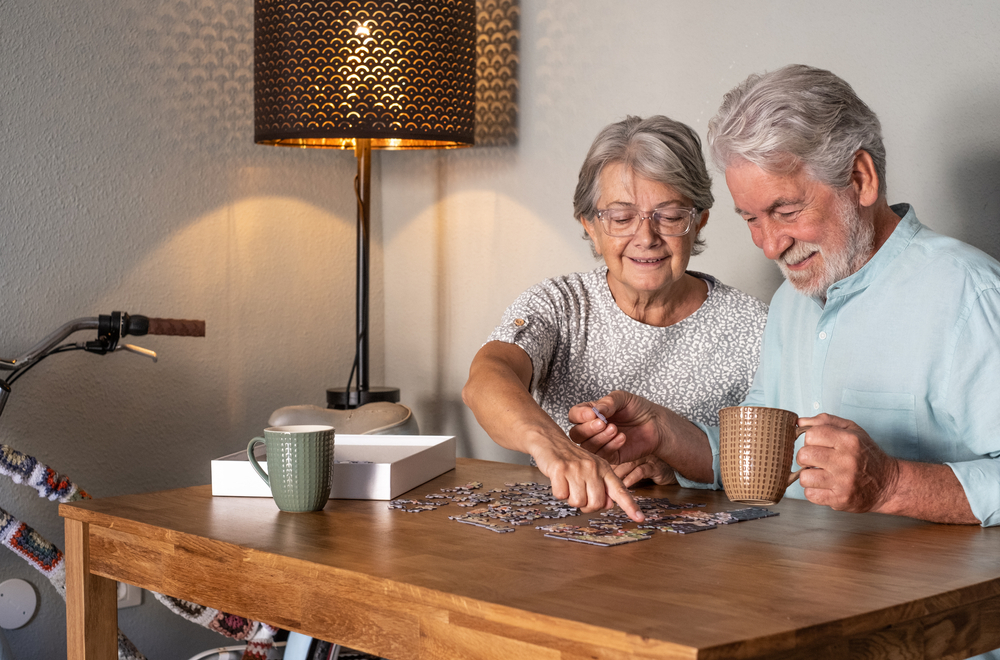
801,262
798,256
647,261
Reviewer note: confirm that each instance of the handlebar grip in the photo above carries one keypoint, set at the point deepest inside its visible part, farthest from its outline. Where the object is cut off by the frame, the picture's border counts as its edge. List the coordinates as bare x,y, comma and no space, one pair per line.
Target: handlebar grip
176,327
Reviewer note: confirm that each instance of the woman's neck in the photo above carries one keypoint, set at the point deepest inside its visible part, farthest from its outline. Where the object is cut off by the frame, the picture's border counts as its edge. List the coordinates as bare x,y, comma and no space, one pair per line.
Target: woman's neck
662,308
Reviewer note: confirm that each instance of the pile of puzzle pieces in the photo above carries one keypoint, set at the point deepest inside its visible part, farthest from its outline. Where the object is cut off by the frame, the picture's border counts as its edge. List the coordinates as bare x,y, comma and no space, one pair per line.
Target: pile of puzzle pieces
524,503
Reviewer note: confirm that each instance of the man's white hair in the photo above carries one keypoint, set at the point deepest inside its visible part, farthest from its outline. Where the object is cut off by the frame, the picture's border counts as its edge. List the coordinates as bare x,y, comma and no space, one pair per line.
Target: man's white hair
797,116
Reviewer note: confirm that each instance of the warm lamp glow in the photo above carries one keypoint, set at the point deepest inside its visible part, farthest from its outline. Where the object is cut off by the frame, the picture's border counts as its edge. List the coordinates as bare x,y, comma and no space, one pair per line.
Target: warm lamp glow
402,74
363,75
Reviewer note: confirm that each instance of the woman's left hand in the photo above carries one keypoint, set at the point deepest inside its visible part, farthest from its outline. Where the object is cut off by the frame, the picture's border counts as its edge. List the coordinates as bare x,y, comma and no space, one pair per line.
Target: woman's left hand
648,467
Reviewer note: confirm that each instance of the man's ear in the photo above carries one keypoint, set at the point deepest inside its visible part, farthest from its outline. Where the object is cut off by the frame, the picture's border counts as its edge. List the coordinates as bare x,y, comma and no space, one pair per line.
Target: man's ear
865,179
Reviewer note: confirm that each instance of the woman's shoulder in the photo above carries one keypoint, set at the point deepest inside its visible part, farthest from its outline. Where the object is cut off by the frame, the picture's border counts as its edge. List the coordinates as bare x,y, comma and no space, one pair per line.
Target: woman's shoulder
733,303
579,286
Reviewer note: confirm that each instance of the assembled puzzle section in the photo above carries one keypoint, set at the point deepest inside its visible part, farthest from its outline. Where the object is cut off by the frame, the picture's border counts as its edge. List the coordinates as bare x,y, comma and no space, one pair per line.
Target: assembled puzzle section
366,467
524,503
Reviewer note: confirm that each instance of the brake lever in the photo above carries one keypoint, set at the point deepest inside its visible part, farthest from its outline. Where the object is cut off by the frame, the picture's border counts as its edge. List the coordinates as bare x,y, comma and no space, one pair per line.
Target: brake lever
138,350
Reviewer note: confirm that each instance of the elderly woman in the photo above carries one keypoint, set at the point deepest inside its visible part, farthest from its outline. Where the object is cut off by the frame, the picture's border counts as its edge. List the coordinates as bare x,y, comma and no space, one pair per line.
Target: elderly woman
642,322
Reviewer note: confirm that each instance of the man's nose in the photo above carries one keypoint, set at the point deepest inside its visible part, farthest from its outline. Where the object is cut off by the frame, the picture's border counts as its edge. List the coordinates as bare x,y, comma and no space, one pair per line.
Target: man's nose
771,237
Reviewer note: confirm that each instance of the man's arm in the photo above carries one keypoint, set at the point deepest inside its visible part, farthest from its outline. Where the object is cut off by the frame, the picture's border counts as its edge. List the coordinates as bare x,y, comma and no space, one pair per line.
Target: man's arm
929,492
849,472
497,393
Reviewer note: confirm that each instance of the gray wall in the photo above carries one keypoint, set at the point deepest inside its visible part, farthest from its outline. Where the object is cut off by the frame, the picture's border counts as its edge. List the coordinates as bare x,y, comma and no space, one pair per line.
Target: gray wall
129,180
466,232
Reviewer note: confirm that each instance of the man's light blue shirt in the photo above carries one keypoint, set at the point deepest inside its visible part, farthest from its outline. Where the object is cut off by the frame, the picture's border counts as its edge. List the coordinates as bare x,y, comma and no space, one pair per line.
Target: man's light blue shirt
908,348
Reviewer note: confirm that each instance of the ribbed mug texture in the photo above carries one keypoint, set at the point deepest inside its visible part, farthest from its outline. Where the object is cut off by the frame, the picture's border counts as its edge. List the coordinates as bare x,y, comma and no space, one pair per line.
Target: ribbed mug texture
299,466
756,452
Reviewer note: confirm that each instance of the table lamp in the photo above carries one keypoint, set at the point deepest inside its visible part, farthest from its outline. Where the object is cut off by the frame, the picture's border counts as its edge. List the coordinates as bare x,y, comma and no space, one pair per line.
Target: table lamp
363,75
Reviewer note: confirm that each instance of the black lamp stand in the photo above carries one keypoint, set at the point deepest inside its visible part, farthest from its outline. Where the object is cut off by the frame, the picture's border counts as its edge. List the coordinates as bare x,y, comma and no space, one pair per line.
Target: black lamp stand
343,398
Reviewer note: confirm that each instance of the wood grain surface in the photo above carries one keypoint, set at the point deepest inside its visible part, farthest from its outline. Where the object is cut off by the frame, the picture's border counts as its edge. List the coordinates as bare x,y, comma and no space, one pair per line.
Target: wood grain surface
809,583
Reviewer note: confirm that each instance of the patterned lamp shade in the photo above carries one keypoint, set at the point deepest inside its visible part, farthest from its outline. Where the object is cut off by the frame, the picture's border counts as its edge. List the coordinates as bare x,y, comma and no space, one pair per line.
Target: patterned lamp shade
402,74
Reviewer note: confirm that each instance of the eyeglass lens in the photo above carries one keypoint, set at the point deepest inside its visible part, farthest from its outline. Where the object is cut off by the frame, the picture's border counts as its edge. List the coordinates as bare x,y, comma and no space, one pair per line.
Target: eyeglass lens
665,222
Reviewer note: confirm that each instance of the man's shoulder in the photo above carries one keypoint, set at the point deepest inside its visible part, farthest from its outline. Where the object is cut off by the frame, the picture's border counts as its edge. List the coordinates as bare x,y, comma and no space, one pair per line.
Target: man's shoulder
939,256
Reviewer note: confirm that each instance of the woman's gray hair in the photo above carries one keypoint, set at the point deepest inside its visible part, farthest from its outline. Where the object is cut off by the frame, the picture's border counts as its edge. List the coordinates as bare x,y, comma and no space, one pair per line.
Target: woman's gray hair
656,148
800,111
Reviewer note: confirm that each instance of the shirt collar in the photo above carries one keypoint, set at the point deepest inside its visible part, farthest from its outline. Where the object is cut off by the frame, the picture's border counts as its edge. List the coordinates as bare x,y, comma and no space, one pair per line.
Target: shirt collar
898,240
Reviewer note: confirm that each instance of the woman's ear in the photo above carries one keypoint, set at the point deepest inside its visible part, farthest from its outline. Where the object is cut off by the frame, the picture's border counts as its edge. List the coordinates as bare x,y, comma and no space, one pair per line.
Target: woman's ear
702,221
591,229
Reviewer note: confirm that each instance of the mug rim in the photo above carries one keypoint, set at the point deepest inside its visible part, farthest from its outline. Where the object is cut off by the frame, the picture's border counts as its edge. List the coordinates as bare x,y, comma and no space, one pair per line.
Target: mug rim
290,429
759,408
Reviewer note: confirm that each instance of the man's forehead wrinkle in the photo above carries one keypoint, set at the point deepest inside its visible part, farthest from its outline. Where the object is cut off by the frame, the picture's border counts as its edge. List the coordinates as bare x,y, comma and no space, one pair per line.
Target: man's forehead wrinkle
776,204
783,201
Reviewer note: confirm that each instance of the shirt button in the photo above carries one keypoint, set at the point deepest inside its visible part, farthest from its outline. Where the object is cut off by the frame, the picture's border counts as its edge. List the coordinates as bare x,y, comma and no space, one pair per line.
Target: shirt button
518,322
815,405
822,335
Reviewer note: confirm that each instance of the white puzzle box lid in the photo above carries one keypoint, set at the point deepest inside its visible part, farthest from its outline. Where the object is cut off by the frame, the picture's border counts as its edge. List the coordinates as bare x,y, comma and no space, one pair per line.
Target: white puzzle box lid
366,467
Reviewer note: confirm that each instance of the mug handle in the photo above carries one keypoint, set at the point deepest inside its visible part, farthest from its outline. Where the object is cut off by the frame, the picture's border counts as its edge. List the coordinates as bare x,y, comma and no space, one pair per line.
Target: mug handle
254,463
794,476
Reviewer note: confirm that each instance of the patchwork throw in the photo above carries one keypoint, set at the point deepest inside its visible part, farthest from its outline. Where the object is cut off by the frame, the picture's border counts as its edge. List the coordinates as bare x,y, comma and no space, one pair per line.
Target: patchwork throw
49,561
34,549
259,636
27,470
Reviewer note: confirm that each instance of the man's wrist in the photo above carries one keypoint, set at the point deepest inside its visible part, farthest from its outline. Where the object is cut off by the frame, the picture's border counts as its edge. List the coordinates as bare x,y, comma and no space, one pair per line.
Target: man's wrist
888,500
928,491
686,447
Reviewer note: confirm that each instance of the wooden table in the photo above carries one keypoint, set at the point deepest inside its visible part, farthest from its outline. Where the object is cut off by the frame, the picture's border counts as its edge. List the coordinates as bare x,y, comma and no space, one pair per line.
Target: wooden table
809,583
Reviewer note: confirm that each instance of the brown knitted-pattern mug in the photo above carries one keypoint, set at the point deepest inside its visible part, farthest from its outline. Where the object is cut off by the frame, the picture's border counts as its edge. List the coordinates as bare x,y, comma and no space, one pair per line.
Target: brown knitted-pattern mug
756,446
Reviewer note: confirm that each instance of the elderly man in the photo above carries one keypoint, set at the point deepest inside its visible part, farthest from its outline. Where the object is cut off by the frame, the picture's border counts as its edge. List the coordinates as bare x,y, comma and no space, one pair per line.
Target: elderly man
884,333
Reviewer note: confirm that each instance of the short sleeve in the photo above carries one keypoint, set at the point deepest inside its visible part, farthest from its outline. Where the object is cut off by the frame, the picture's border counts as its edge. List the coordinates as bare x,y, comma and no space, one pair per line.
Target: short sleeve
531,323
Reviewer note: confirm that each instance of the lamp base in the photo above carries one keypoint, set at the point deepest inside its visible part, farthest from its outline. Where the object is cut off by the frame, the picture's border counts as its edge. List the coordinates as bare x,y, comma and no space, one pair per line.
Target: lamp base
340,398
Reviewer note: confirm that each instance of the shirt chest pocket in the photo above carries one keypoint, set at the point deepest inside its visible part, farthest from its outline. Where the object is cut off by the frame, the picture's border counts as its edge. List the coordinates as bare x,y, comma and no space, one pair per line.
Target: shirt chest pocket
888,417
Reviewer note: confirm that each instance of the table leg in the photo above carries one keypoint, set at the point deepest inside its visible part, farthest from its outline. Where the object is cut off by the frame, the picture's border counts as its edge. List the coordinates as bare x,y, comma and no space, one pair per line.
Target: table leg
91,602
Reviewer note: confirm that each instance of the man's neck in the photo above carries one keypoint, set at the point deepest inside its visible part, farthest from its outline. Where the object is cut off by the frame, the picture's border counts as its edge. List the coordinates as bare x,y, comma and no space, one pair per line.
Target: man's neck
885,222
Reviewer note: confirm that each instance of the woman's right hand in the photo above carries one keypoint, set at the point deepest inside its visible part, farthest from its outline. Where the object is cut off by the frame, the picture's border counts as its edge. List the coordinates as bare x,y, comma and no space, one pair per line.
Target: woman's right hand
497,393
582,478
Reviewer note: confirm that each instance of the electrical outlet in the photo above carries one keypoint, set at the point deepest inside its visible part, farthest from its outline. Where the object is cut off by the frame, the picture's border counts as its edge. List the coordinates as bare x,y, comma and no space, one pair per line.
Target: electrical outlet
129,595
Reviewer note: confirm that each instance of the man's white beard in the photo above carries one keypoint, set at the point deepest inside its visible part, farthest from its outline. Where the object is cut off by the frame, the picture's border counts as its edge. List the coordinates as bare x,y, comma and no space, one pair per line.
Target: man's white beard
858,241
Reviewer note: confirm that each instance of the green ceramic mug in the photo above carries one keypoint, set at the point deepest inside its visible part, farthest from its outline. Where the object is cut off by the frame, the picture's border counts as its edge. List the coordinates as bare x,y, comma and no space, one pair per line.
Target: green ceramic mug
299,465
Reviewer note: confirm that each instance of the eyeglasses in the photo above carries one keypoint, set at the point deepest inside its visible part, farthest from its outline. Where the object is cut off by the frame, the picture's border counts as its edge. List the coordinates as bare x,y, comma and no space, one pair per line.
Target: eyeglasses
671,221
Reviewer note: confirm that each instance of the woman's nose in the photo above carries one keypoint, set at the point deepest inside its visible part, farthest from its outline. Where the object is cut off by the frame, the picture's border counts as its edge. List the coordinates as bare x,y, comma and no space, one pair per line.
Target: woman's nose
645,235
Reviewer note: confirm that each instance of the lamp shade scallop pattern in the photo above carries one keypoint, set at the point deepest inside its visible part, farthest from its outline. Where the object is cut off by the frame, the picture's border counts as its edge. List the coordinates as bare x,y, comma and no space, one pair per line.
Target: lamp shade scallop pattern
402,74
496,72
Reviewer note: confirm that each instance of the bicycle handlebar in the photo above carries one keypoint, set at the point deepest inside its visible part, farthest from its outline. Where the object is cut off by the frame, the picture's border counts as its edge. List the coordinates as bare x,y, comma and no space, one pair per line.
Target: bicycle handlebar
176,327
110,328
118,324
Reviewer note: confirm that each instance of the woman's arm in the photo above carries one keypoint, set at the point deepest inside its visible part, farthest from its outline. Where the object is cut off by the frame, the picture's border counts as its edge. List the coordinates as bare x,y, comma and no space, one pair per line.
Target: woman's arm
497,393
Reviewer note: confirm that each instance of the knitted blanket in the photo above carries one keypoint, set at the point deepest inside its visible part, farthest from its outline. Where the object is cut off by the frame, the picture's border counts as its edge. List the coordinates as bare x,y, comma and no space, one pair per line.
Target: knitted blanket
46,558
